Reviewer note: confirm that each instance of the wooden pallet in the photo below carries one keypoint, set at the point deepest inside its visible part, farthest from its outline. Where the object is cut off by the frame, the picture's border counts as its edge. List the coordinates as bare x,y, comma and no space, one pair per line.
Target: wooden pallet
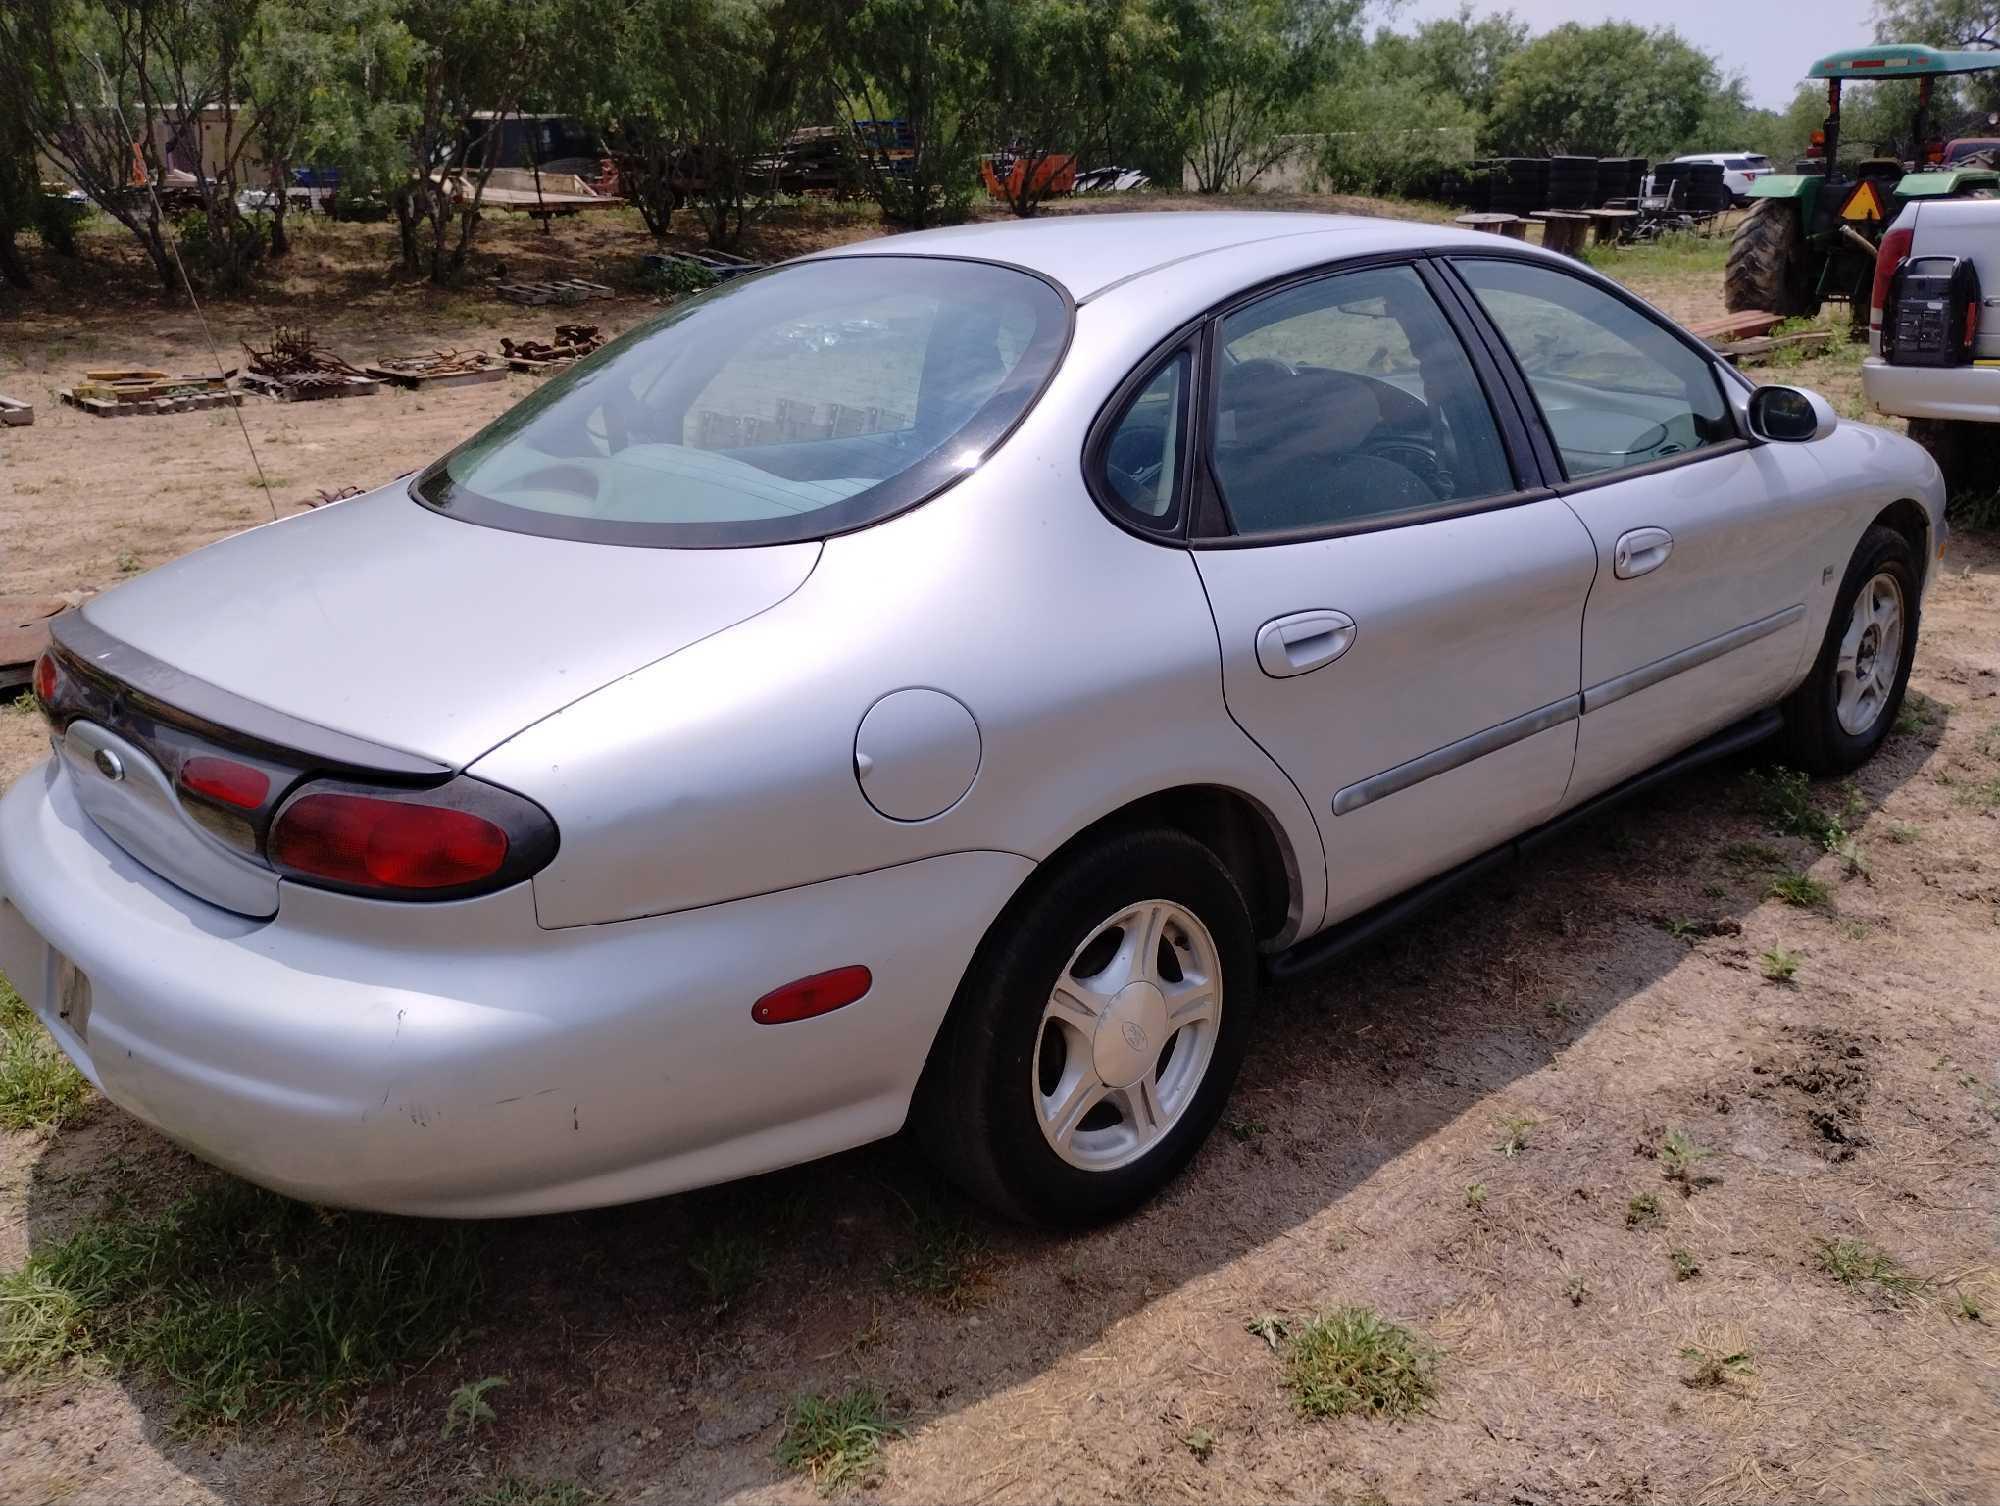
567,290
389,371
1763,345
541,368
1737,326
149,406
285,392
15,412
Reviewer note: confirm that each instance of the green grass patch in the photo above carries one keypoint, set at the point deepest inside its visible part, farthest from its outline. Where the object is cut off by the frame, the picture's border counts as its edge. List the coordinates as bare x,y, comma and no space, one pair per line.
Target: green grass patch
1856,1264
518,1490
1779,965
833,1439
1643,1211
945,1261
727,1264
1671,256
39,1088
1786,799
1800,889
247,1305
1355,1360
1752,855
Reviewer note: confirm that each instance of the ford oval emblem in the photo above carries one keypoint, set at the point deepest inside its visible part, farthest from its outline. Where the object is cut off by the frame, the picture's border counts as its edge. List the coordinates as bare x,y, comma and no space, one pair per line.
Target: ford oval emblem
109,764
1134,1036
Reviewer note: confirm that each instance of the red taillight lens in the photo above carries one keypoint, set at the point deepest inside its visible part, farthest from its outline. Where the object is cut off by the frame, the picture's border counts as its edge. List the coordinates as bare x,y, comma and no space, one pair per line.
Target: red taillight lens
1891,254
45,679
226,781
371,843
822,993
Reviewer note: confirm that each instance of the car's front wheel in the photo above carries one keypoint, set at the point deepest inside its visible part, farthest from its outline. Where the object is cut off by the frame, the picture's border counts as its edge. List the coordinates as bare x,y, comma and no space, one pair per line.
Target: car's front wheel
1097,1032
1837,719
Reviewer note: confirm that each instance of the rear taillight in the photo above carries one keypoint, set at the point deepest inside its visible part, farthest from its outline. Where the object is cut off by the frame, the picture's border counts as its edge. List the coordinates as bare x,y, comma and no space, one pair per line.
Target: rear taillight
465,837
225,781
1889,257
45,680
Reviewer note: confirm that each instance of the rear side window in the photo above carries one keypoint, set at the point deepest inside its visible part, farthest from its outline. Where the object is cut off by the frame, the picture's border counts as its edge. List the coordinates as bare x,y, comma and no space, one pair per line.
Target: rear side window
1738,164
1144,449
1615,387
803,402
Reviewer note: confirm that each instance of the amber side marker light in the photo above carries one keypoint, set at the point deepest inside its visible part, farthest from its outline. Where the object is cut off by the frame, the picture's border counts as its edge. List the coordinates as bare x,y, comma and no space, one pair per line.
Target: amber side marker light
822,993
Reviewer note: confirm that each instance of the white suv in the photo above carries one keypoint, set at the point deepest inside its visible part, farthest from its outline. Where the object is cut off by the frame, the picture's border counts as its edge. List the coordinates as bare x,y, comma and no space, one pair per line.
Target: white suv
1739,169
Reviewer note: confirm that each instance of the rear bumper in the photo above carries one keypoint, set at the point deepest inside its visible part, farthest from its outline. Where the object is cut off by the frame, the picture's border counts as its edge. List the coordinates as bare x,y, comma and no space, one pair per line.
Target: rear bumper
1970,394
458,1060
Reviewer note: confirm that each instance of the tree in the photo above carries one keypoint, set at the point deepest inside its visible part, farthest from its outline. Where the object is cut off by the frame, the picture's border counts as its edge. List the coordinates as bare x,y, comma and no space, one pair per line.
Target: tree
1242,68
911,81
1055,71
1460,55
1968,24
1605,91
327,79
742,90
1389,132
470,56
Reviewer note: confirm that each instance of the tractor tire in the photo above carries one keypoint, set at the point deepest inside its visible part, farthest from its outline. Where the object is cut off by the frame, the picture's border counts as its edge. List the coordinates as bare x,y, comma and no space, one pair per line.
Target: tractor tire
1766,271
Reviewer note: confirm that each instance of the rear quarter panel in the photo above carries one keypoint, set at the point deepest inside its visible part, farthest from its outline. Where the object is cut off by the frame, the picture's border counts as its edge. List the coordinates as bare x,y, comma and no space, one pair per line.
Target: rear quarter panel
1087,656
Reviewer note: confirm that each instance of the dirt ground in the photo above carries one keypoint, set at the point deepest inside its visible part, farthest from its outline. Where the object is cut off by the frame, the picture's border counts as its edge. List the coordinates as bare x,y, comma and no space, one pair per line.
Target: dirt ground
1451,1127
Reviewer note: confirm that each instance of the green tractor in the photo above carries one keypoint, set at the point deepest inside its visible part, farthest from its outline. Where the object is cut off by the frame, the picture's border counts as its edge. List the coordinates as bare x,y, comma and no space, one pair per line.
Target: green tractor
1810,236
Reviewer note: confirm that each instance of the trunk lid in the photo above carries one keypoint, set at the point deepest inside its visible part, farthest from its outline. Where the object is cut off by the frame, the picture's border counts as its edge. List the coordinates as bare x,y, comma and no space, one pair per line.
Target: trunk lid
383,620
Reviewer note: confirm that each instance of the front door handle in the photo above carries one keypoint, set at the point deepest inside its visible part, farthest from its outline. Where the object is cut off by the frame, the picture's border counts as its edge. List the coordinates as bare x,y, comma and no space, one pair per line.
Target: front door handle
1640,551
1302,642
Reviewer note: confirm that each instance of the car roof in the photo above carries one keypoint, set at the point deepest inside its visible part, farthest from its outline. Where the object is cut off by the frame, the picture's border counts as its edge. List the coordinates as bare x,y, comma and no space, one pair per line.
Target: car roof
1090,253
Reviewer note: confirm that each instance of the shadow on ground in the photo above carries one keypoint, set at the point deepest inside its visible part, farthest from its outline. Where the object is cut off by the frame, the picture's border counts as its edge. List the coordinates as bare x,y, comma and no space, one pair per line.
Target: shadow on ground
660,1343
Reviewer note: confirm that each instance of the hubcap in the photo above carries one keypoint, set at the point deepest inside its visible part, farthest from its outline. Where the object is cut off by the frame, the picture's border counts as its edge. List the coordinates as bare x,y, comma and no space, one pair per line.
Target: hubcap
1127,1035
1871,650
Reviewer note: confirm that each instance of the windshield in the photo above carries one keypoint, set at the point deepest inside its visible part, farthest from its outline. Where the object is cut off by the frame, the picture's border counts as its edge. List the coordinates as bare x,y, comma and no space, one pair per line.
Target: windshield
809,400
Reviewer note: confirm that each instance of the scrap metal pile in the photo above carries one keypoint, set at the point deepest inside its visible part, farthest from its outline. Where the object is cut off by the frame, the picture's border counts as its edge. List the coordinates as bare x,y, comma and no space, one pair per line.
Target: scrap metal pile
572,342
298,361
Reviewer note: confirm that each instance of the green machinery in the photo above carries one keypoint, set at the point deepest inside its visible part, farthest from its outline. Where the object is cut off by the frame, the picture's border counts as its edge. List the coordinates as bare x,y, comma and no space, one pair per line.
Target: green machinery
1810,236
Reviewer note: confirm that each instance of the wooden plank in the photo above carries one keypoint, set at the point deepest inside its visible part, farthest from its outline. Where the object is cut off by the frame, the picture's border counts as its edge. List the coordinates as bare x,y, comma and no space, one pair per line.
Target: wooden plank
146,406
1736,326
287,392
541,368
421,379
14,412
1745,350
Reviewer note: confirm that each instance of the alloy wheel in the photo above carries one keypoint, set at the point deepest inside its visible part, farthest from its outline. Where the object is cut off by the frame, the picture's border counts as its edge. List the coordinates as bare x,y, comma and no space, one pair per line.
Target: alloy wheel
1127,1035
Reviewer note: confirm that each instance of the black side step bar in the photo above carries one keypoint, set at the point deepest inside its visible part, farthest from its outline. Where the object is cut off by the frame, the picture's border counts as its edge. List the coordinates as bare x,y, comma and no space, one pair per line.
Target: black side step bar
1359,930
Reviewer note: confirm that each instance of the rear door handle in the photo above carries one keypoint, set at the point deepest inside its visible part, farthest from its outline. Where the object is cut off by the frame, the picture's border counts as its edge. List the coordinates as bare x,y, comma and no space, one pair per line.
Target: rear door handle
1640,551
1302,642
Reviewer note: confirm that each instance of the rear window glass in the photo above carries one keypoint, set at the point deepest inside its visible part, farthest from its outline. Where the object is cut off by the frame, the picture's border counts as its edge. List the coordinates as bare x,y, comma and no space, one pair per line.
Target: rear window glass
1738,164
792,405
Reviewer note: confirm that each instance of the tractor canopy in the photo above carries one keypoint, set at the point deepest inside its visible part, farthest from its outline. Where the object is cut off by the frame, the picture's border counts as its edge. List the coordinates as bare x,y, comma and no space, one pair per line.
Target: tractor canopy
1901,60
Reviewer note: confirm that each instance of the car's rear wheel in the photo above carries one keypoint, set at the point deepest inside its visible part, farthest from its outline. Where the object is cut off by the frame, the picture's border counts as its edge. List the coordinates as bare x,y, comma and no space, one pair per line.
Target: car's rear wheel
1838,718
1097,1032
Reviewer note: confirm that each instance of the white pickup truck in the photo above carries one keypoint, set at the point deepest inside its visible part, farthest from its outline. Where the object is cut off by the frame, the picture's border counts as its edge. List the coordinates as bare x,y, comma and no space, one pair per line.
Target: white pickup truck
1934,333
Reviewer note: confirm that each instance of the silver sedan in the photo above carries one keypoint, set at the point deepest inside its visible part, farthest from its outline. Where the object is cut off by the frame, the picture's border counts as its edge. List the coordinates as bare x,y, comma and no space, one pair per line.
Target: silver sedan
931,684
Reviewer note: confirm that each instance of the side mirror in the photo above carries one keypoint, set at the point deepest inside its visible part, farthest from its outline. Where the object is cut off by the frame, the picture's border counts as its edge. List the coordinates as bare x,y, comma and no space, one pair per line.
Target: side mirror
1791,415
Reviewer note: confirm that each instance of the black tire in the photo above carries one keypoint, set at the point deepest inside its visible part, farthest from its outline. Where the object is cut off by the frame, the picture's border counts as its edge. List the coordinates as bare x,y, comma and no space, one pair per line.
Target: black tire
974,1113
1766,271
1813,737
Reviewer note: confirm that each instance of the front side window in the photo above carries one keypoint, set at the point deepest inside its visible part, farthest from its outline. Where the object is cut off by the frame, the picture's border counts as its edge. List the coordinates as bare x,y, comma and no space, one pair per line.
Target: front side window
792,405
1616,388
1348,399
